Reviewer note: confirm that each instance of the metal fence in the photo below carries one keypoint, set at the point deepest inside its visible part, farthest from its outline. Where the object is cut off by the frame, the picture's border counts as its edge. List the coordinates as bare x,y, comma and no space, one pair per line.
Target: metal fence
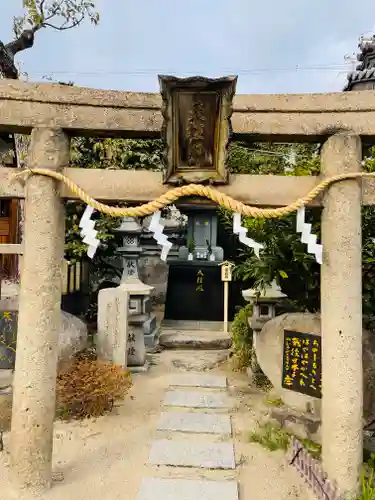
312,472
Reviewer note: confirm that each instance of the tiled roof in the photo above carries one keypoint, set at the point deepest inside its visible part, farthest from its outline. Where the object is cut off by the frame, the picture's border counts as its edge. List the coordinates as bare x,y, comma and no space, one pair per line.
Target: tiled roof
365,71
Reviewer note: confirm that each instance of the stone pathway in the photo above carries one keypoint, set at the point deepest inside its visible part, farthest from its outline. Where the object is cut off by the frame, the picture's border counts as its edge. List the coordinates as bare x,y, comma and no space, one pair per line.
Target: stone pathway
194,431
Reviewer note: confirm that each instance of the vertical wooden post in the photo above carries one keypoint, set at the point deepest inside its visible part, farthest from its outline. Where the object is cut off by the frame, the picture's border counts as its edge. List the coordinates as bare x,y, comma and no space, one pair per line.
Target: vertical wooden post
341,316
226,302
39,315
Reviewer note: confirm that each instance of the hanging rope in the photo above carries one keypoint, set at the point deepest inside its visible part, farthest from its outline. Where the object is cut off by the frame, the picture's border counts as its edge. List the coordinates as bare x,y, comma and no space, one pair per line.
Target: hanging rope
194,190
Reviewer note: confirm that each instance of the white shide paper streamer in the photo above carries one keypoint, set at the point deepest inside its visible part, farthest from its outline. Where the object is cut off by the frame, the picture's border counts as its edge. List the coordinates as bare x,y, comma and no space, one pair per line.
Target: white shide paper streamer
307,237
242,231
157,228
88,232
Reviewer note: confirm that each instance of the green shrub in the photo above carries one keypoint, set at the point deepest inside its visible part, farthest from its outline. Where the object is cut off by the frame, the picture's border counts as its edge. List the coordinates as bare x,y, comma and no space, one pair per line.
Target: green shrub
368,480
242,338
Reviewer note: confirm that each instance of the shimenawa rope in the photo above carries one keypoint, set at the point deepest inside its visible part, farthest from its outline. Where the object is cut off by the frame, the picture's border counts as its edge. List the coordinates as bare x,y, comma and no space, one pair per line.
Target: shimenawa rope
190,190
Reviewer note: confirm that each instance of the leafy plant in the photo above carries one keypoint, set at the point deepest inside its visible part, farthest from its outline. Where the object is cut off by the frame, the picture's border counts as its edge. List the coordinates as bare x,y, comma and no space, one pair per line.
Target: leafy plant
368,480
191,245
284,257
60,15
87,387
242,338
273,437
270,437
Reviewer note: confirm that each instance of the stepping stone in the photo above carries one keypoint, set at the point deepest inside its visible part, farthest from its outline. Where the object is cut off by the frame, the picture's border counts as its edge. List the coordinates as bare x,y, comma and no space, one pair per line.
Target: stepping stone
153,488
192,454
192,399
199,380
195,422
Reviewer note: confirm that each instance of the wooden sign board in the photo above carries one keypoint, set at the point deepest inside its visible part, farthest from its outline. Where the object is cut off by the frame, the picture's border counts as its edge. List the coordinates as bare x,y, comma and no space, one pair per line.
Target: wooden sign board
226,272
302,363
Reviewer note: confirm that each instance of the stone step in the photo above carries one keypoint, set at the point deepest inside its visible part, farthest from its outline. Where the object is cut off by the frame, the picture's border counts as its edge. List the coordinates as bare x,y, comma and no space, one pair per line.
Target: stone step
192,454
197,399
184,489
192,325
198,380
205,423
194,339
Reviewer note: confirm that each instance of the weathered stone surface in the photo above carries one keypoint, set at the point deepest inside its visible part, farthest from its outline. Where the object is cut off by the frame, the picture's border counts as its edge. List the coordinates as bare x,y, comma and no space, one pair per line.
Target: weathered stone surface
192,454
198,380
153,488
269,346
192,399
73,331
301,425
73,335
269,351
197,360
195,340
6,396
206,423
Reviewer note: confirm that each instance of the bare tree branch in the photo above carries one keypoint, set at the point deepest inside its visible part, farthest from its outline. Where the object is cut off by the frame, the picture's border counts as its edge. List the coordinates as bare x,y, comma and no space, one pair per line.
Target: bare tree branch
62,27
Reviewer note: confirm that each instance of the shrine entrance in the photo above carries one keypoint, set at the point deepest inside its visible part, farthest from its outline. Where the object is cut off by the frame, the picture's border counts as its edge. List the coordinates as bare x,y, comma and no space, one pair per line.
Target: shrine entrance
195,288
54,112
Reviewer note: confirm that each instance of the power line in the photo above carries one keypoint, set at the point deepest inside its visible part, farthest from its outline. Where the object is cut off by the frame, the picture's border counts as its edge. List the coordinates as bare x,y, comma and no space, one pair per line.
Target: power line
145,72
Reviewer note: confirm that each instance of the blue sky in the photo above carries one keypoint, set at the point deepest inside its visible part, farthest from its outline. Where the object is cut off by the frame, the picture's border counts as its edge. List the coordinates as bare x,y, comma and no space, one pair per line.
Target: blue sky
262,42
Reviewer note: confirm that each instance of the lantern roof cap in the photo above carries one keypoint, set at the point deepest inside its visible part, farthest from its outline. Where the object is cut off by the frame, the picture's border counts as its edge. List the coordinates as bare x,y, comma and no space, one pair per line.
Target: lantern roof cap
270,293
129,225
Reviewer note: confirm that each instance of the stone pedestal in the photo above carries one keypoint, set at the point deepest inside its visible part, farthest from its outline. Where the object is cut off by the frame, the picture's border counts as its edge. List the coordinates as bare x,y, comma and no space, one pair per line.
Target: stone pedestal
141,326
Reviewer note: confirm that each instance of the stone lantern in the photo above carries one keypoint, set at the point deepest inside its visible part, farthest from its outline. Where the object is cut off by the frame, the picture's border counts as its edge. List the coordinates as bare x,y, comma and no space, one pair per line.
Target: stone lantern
142,324
264,308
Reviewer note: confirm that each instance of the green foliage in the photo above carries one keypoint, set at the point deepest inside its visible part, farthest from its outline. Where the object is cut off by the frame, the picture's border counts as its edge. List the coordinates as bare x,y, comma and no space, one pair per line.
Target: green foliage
117,154
285,258
368,480
273,437
278,402
276,159
270,437
58,14
114,154
242,338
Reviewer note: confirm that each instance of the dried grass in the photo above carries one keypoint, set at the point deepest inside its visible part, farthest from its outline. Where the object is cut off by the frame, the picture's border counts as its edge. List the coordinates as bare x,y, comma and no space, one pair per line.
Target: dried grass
88,387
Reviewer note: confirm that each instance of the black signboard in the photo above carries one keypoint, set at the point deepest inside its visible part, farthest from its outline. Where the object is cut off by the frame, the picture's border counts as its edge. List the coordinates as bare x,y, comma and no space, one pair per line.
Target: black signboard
302,363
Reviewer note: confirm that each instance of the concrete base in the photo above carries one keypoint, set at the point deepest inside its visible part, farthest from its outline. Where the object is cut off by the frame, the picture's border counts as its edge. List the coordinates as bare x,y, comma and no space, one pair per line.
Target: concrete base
152,338
140,369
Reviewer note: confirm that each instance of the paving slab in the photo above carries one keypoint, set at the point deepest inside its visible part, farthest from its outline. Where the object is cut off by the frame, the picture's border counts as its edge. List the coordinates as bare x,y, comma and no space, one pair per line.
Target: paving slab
183,489
192,454
199,380
206,423
197,399
195,339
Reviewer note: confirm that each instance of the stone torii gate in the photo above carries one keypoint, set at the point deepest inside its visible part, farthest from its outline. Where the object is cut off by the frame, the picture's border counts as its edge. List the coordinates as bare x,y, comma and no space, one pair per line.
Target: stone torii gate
54,113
